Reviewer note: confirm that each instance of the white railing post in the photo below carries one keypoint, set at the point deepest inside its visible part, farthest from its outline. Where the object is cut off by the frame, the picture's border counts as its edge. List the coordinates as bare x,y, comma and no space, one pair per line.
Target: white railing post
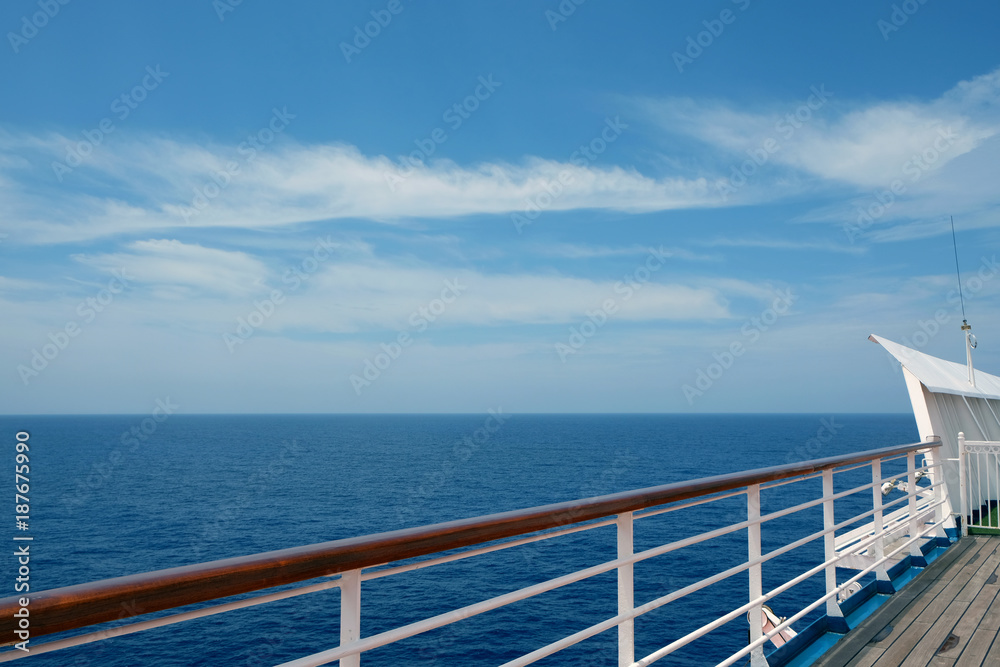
830,545
996,460
878,547
938,475
350,614
963,489
756,613
911,490
626,591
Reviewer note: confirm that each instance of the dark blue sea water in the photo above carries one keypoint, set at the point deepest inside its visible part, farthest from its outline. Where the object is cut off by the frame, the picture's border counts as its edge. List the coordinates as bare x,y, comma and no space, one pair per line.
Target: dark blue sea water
201,488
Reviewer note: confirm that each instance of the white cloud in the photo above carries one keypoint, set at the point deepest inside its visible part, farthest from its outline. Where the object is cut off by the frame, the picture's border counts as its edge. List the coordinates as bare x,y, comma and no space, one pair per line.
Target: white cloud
577,251
141,185
839,140
873,147
783,244
354,297
169,185
939,155
183,268
206,289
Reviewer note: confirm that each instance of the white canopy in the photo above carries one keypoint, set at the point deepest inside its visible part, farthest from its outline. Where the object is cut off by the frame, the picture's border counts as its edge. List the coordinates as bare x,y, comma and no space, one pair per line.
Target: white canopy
944,404
940,376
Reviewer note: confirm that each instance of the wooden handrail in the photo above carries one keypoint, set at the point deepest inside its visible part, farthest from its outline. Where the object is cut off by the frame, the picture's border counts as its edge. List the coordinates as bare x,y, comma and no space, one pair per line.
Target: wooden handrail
87,604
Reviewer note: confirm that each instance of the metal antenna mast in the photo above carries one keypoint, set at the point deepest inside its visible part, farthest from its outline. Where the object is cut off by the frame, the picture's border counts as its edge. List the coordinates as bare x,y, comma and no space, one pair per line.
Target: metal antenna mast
970,340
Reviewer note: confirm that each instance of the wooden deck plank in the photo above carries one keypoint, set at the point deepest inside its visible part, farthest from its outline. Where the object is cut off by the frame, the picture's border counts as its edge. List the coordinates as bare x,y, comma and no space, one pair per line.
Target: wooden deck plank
958,594
856,644
939,629
911,609
975,651
946,611
991,619
915,613
938,661
985,571
993,657
867,657
960,577
971,620
949,578
915,644
931,605
902,644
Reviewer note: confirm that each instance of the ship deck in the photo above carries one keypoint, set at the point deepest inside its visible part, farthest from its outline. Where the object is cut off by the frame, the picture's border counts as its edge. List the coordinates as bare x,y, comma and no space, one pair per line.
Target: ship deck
947,615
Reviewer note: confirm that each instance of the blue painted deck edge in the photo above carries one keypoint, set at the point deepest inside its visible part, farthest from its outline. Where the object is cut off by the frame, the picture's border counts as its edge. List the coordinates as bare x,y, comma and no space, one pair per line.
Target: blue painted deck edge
821,635
851,604
800,644
813,652
866,609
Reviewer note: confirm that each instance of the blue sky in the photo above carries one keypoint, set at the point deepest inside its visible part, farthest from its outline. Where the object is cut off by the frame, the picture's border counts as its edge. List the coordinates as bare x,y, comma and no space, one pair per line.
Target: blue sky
539,206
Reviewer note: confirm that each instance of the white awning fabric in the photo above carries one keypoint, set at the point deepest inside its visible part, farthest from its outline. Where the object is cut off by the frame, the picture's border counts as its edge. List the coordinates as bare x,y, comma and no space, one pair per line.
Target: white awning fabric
940,376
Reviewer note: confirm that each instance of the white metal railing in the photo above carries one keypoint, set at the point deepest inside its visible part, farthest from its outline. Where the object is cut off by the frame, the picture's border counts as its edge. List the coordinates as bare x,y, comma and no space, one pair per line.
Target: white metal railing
923,515
921,518
979,481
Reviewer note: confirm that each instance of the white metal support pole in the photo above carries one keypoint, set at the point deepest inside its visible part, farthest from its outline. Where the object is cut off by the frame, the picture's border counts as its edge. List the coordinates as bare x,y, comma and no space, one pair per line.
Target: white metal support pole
943,511
830,545
756,613
911,489
968,351
350,614
878,547
626,591
963,490
996,461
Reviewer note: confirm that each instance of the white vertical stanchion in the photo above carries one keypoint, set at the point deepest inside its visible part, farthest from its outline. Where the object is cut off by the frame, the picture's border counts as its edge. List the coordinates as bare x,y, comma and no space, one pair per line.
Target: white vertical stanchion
911,489
756,613
987,496
963,485
878,547
996,461
350,614
830,545
977,502
626,591
940,494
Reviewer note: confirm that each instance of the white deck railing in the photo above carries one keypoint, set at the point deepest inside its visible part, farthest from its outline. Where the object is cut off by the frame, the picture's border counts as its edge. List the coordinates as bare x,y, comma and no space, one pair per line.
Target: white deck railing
980,483
922,517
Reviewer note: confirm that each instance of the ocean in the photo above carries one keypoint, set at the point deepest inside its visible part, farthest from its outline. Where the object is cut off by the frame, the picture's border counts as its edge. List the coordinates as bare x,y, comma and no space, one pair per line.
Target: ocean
118,495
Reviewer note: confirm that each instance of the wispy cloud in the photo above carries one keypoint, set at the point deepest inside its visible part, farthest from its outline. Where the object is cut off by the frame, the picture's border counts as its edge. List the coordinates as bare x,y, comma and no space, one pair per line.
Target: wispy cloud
866,145
205,288
783,244
183,268
141,185
355,297
578,251
926,158
170,185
